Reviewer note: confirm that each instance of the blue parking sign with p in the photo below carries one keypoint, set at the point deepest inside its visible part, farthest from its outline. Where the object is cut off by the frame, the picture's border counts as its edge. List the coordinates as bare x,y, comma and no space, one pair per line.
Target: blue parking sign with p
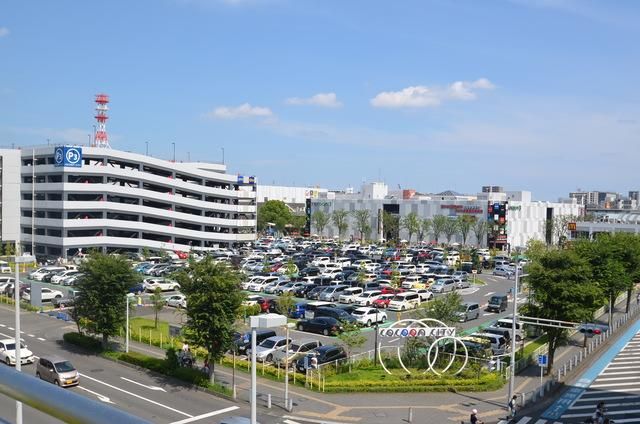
67,156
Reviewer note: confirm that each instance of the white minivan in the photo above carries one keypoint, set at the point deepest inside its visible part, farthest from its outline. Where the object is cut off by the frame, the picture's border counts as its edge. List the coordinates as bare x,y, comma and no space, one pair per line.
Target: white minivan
404,301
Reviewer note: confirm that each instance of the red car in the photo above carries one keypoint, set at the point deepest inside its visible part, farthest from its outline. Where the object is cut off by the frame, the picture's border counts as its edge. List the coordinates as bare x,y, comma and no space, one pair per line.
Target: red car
383,301
391,290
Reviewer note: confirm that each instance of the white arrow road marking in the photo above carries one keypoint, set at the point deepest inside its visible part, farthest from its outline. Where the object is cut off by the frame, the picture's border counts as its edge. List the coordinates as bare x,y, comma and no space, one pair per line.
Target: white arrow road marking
144,385
135,395
207,415
100,397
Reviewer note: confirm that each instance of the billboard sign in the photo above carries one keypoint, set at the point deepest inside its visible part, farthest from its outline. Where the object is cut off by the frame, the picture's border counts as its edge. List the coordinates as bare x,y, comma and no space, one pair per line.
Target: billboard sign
67,156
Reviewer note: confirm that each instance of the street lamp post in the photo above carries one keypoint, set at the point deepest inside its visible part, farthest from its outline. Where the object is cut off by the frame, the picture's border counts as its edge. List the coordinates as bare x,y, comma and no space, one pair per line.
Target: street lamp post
126,331
16,296
286,368
174,151
260,321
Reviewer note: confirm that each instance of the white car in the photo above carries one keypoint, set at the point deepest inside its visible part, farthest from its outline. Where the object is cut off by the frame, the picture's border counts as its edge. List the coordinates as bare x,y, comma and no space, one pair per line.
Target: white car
8,352
423,293
252,300
443,285
266,349
367,316
261,283
152,284
4,268
46,294
57,279
350,294
177,301
5,282
367,298
274,286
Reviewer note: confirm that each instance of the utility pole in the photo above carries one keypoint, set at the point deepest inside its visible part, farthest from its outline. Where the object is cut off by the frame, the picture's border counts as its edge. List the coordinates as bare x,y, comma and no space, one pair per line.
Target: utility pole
512,377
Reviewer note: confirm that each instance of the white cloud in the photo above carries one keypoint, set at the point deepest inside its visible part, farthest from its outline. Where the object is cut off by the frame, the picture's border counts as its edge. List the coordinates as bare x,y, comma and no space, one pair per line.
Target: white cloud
423,96
4,31
243,111
320,99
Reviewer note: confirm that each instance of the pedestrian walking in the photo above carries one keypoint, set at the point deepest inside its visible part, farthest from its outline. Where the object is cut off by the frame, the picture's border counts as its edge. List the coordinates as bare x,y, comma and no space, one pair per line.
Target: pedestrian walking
512,407
474,417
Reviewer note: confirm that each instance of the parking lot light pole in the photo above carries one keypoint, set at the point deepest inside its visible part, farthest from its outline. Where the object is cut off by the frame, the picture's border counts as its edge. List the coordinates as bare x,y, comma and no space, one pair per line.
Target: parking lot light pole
126,332
286,368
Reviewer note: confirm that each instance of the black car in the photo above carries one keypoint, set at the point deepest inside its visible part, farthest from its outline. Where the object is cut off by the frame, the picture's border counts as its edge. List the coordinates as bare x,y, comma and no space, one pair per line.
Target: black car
302,291
321,325
243,341
347,308
314,293
337,313
323,354
310,272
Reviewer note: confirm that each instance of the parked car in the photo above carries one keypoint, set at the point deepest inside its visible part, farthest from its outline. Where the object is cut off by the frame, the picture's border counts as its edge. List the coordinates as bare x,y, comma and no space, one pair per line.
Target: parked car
462,284
349,294
332,293
383,300
275,286
404,301
322,325
8,352
424,294
289,287
503,271
314,294
243,341
460,275
367,298
323,355
40,273
57,278
334,312
58,371
498,343
265,350
177,301
151,284
297,349
368,316
46,294
443,285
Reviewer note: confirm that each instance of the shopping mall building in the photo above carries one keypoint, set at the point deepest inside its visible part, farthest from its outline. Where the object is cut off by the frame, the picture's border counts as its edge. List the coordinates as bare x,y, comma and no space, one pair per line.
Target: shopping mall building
61,200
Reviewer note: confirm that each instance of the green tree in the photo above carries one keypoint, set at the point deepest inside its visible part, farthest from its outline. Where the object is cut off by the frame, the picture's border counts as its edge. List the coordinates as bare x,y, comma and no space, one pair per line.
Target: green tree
340,219
351,337
9,249
438,223
273,212
213,295
425,229
549,226
391,224
480,230
298,223
561,227
319,220
292,270
561,288
535,249
443,308
362,221
450,229
285,303
465,223
146,253
103,286
157,303
411,223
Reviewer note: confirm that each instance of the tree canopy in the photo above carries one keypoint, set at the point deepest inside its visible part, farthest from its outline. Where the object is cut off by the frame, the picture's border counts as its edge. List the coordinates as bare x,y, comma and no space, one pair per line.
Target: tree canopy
438,224
411,223
465,223
362,218
213,295
274,212
103,285
340,219
320,221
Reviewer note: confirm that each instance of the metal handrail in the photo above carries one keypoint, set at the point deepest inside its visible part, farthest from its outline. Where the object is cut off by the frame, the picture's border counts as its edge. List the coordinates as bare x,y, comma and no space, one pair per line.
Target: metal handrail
64,405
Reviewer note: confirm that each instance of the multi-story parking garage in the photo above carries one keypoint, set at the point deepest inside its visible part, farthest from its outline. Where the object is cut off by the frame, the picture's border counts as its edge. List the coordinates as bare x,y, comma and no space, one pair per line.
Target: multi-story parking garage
74,198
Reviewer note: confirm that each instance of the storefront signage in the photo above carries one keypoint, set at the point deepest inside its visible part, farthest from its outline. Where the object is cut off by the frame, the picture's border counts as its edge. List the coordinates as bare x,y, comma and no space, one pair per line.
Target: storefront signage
418,332
320,204
463,208
515,208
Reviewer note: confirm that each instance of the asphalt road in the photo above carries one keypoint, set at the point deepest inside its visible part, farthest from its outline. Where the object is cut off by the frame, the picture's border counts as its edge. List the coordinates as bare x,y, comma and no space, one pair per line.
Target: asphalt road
154,399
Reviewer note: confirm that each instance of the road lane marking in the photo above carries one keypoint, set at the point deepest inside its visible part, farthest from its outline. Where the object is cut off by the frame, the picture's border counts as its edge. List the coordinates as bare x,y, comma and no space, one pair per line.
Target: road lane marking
144,385
309,420
489,294
207,415
394,340
41,339
486,315
30,335
11,328
100,397
2,325
290,422
135,395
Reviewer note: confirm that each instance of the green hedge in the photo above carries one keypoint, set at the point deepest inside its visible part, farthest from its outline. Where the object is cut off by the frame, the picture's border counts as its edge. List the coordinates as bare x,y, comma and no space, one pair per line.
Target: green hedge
168,368
84,341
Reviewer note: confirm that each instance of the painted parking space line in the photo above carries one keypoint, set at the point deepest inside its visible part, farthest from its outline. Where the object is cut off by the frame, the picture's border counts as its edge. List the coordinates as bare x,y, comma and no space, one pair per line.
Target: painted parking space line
137,396
207,415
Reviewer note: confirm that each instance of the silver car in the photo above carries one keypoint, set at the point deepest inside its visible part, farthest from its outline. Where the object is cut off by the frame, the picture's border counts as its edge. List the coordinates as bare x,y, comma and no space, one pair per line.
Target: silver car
266,349
57,370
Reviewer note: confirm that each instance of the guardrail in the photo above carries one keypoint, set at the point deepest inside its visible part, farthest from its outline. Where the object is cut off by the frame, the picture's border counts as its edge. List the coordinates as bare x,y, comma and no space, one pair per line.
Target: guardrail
64,405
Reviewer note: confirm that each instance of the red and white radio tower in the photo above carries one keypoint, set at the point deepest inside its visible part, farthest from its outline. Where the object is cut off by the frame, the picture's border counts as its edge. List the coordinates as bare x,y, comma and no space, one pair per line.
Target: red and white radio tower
101,139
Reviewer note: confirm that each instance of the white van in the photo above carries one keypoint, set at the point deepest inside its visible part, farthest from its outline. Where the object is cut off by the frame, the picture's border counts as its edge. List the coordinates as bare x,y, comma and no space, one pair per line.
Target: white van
5,268
404,301
507,324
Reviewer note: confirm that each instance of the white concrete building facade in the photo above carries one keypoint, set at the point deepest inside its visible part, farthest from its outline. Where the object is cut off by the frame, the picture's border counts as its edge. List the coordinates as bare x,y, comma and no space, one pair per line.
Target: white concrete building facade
73,198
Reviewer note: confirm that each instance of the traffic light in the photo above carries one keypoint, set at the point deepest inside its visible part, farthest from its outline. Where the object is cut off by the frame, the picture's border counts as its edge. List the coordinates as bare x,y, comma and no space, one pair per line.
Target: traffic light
590,330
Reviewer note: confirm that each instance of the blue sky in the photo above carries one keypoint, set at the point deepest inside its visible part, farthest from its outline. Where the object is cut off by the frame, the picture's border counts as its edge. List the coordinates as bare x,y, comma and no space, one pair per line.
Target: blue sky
428,94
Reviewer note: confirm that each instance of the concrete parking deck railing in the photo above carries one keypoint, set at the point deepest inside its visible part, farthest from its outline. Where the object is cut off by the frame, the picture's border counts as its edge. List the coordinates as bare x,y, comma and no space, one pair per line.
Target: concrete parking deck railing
62,404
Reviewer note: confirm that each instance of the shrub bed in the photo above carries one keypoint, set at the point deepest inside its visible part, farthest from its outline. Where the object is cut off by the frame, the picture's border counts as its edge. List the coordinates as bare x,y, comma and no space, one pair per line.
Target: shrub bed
84,341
